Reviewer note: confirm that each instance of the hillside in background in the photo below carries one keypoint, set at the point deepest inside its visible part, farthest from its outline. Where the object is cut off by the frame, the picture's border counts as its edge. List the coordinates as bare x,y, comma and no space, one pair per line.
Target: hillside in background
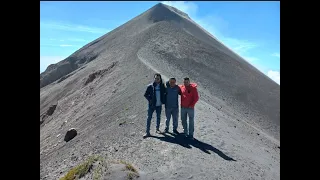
98,90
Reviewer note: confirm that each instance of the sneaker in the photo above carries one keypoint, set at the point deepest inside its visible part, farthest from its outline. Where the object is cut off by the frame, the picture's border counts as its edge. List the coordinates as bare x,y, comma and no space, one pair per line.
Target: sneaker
158,131
175,131
166,130
146,135
190,137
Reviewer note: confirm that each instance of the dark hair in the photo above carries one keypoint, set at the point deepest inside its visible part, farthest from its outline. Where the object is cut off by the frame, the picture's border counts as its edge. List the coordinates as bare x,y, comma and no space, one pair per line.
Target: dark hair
186,79
173,79
158,75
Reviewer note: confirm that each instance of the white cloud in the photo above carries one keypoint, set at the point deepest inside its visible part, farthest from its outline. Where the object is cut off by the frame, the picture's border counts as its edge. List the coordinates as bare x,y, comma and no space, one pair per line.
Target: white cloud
77,40
65,45
72,27
54,45
65,40
59,45
188,7
44,45
250,59
239,46
276,55
274,75
45,61
215,26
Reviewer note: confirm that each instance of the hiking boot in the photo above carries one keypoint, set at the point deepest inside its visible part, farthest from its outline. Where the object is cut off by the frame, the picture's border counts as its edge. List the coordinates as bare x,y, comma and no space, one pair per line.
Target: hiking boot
175,131
146,135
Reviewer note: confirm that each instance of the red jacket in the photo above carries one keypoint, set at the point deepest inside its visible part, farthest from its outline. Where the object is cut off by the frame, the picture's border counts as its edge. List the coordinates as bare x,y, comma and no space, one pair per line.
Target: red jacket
189,95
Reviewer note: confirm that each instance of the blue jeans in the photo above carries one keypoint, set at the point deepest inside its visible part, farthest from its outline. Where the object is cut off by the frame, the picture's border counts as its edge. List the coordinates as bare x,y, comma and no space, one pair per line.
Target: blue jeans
174,113
190,113
151,109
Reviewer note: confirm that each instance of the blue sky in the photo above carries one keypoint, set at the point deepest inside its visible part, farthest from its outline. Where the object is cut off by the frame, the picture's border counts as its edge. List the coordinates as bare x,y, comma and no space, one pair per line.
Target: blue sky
251,29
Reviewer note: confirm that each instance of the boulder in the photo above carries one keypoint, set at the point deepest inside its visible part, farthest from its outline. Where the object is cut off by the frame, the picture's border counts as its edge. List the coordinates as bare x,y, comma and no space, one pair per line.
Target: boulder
71,133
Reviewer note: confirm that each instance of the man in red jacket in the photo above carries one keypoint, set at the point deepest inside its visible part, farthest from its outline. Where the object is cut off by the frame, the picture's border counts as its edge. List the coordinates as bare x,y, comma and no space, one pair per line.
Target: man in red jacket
189,97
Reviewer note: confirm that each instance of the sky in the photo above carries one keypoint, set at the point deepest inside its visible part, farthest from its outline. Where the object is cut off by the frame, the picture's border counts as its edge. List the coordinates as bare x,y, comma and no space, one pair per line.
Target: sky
251,29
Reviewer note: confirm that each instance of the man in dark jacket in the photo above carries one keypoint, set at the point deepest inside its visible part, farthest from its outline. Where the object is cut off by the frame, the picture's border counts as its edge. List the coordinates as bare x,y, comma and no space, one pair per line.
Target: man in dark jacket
155,94
172,105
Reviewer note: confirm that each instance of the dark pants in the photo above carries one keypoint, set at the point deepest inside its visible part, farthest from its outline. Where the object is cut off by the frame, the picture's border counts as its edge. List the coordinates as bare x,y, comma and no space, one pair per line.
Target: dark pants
174,113
151,109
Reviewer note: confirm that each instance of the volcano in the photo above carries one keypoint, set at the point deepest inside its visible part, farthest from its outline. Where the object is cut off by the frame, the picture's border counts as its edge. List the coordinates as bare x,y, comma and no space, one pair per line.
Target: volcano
98,90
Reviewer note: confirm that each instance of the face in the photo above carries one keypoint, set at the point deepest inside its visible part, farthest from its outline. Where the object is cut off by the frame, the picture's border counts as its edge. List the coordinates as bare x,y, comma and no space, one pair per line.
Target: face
186,82
172,82
157,79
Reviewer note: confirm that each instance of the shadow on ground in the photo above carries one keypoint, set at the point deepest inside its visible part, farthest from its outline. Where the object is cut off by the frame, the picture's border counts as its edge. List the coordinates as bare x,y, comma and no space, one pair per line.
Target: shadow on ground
188,143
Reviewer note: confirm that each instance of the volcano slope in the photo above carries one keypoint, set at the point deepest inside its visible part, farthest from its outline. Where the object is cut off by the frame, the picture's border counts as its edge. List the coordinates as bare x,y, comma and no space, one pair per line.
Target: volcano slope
99,90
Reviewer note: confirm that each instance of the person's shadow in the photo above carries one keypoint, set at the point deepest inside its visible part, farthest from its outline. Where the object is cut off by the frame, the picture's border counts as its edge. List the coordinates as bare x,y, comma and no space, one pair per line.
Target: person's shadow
181,140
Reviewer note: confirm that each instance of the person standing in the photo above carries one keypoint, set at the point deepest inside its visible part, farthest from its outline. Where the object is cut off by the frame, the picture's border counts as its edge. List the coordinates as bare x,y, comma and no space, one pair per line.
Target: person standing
155,94
189,97
172,105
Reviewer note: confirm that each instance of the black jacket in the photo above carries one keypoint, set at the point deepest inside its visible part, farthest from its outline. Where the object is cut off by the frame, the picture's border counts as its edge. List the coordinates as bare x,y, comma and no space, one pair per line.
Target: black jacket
150,94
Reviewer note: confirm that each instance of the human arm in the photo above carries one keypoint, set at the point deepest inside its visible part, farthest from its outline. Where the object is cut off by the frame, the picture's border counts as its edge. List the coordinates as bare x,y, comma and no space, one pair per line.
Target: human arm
147,94
195,97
